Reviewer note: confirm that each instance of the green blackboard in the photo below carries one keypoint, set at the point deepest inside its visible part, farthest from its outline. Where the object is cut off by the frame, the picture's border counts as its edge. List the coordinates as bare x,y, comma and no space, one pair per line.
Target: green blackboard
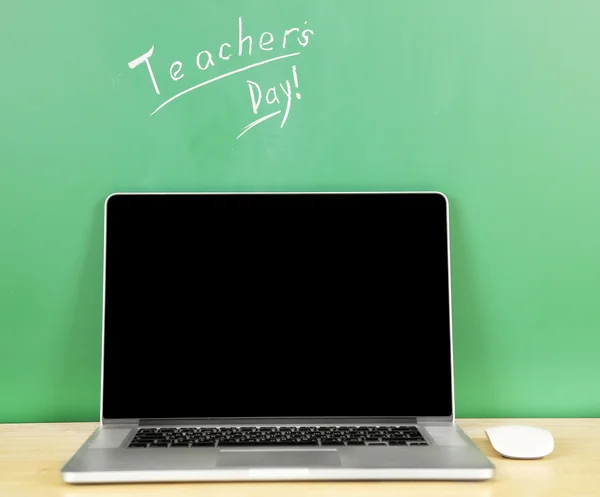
494,103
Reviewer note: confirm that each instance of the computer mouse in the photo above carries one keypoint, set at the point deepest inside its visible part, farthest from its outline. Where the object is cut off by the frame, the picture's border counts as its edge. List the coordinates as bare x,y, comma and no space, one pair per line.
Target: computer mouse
521,442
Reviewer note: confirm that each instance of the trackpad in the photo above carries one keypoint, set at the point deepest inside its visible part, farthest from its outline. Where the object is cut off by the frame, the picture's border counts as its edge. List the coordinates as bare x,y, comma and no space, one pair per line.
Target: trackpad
279,459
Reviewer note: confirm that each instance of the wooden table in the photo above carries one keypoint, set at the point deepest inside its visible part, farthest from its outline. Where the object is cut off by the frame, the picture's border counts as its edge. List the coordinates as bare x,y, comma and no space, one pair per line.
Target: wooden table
32,454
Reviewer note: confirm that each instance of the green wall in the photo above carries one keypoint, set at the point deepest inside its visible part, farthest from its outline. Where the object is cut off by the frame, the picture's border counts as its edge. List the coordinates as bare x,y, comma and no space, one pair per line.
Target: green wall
494,103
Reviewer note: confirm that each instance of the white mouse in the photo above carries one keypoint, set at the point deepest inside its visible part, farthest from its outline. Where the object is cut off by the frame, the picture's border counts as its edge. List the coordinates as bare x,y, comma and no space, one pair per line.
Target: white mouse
521,442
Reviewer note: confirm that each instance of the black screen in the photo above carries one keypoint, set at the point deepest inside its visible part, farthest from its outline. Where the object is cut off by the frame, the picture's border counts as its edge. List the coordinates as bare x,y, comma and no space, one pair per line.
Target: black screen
276,305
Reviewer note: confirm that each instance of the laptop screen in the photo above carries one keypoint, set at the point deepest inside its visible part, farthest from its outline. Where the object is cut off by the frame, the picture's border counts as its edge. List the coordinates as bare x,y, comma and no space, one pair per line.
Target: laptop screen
276,305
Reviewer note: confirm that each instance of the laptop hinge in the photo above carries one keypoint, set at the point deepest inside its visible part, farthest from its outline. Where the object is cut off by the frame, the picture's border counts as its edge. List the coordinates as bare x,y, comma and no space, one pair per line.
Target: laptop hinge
119,422
278,421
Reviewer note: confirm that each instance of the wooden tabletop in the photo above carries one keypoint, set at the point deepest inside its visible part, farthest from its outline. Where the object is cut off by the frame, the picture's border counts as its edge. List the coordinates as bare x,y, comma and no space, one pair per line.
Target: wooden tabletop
31,456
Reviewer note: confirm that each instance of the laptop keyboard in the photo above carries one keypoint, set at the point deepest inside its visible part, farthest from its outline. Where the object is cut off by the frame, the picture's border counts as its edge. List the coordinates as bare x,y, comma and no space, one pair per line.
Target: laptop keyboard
398,436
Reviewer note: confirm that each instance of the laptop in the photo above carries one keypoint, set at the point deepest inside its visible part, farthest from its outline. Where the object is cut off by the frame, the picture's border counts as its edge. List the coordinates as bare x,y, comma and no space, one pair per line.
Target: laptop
277,336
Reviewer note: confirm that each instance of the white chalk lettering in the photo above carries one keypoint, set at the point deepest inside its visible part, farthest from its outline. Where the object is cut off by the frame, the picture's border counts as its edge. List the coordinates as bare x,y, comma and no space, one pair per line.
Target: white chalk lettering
145,58
208,63
288,94
255,100
304,38
287,33
264,45
242,40
222,76
295,74
175,72
271,97
265,99
221,51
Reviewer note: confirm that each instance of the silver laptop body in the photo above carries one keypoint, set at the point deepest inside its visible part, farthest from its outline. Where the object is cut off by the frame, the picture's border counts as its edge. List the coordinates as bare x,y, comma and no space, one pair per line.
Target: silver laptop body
277,336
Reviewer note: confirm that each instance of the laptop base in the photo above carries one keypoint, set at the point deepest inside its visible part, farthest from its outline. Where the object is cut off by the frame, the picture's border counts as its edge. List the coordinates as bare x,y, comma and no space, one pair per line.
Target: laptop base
105,458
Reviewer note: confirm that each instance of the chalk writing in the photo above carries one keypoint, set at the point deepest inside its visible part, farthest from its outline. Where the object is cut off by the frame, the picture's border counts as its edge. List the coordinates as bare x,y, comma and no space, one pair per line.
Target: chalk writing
271,97
281,94
146,58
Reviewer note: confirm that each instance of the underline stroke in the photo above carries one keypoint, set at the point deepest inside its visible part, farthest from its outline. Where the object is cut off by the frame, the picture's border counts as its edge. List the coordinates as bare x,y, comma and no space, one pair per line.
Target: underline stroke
256,123
204,83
